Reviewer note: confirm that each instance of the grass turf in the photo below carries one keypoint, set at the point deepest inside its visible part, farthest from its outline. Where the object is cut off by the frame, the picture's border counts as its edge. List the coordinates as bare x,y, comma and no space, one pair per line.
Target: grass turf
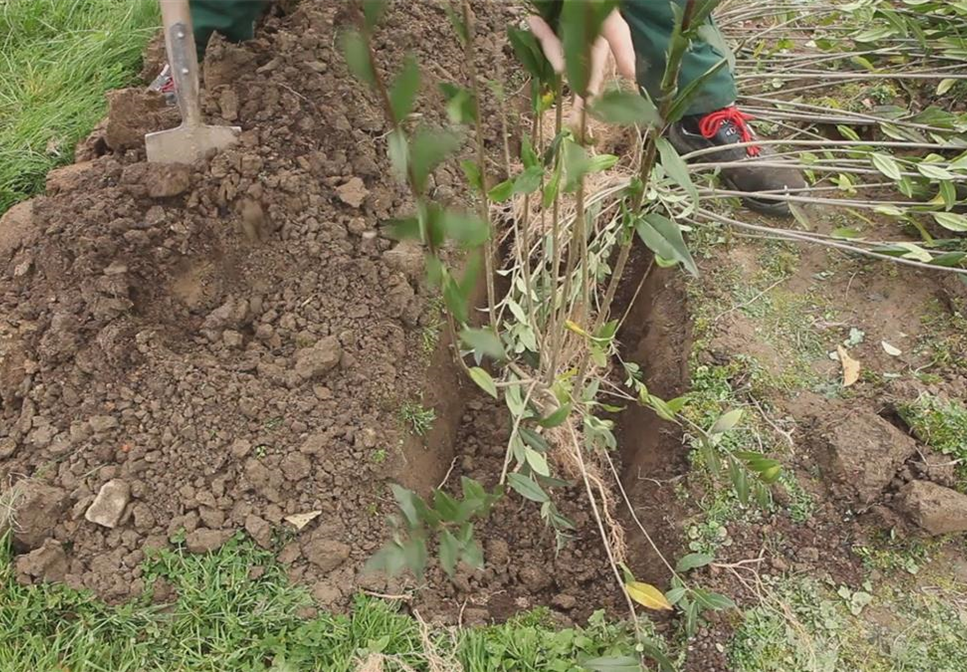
235,610
57,58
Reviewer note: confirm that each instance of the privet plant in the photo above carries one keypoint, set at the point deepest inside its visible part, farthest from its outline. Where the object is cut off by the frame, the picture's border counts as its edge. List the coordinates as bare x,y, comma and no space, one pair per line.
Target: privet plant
550,340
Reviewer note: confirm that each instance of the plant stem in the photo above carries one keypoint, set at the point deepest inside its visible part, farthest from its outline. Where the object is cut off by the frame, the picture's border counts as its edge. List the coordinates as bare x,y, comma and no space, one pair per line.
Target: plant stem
483,206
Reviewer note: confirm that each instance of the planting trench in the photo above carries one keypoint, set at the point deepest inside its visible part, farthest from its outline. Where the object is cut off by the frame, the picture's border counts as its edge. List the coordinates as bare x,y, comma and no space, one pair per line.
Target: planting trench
193,352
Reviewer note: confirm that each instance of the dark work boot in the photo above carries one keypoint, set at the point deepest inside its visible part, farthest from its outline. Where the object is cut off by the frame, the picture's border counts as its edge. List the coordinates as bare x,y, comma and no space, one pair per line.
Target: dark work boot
729,126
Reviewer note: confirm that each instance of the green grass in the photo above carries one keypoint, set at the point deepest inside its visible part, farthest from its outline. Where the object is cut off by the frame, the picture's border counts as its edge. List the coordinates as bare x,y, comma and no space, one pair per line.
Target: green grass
57,58
417,418
939,423
804,625
224,619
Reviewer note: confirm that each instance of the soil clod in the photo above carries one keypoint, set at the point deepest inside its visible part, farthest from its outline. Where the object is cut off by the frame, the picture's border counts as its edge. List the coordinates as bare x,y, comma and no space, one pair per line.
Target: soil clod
936,509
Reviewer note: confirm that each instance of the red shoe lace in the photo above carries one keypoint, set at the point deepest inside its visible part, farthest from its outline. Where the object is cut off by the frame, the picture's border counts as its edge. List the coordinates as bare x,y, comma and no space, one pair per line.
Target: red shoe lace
168,86
712,123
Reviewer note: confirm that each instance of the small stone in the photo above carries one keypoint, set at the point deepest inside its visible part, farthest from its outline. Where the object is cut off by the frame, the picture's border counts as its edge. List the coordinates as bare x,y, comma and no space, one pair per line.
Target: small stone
232,338
564,601
353,193
498,552
228,102
534,578
326,594
109,504
326,554
47,563
367,437
808,554
295,466
164,180
37,509
204,540
259,529
240,448
319,359
101,424
8,446
408,258
315,444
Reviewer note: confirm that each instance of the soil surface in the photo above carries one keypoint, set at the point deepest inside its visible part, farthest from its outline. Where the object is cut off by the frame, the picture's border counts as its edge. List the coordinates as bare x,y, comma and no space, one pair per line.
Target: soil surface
187,352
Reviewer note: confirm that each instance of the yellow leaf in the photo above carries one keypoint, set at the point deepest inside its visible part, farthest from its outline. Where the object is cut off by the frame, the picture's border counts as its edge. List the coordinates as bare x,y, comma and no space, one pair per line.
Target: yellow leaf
576,328
648,596
851,367
300,520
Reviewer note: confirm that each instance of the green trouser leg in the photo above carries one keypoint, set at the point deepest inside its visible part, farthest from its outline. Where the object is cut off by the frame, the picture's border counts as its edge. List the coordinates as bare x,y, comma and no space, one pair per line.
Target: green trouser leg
652,23
235,19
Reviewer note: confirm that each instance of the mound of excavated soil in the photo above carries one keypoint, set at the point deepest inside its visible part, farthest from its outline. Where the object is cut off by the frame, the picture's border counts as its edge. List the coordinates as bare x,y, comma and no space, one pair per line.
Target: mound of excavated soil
200,350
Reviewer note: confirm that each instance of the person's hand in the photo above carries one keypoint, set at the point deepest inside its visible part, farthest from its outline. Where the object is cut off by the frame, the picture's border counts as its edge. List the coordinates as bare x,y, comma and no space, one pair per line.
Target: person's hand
615,40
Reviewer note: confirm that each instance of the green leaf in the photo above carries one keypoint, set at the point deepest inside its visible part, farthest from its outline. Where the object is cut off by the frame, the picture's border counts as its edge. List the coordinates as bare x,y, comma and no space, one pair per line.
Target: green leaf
389,559
398,149
664,238
739,481
449,548
528,51
845,233
714,601
533,439
403,92
404,229
675,594
373,10
529,181
727,422
600,162
483,342
948,193
693,561
357,57
406,500
612,664
501,192
945,86
414,553
886,165
484,381
527,154
552,188
949,259
691,618
557,417
576,164
461,107
676,168
465,228
625,108
472,553
455,299
537,462
428,150
527,488
933,172
445,505
951,221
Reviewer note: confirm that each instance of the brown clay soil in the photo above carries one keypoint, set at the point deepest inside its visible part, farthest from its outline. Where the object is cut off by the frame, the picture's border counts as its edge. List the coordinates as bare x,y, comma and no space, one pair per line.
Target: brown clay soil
232,342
